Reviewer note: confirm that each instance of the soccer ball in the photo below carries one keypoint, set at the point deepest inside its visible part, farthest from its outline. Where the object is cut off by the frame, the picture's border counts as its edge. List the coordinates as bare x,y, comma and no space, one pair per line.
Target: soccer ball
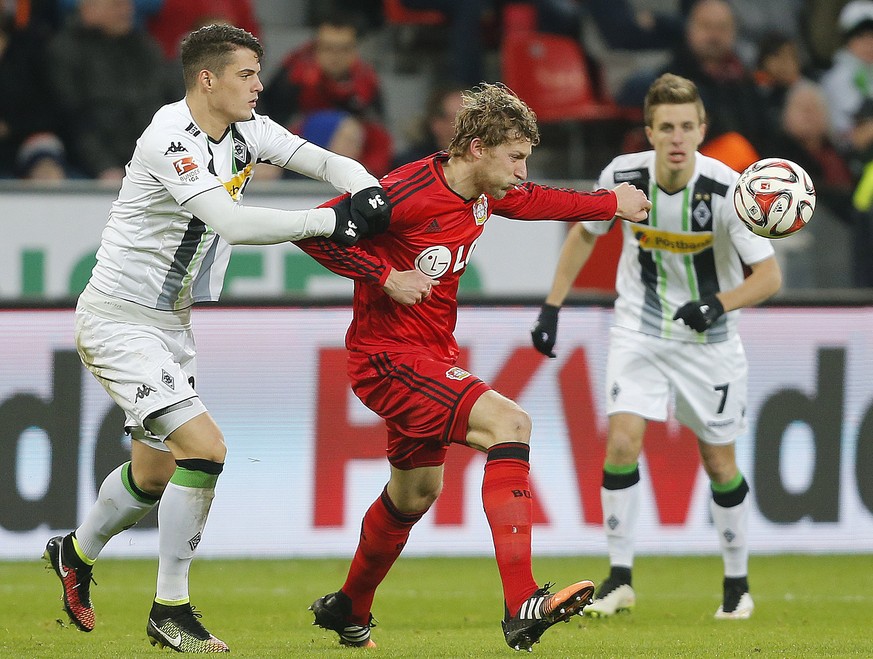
774,197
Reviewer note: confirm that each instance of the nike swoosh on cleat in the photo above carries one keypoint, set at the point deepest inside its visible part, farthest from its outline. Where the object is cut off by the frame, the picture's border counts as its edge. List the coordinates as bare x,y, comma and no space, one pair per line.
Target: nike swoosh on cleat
62,570
173,641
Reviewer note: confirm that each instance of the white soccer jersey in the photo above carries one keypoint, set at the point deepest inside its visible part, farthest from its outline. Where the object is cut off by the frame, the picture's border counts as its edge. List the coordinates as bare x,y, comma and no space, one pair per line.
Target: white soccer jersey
692,245
153,251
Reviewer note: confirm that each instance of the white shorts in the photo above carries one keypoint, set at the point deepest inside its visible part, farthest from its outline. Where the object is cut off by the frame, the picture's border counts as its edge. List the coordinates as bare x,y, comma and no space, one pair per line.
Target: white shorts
707,380
149,373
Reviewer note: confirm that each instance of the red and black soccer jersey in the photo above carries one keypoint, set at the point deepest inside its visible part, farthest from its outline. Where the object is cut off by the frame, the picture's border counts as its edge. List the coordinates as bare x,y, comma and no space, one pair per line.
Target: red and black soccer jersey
434,230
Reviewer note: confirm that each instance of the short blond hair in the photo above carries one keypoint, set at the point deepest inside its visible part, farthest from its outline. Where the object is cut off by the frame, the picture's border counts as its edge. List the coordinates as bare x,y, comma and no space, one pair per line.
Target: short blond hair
671,89
494,114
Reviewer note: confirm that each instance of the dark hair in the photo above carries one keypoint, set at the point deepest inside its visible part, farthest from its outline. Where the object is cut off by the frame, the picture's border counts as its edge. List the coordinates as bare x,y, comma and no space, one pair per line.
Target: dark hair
211,47
770,44
494,114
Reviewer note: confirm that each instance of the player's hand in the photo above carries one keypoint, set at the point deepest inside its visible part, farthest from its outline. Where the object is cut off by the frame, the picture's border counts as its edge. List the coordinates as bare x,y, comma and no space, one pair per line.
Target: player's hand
699,315
371,206
348,229
409,287
545,330
633,204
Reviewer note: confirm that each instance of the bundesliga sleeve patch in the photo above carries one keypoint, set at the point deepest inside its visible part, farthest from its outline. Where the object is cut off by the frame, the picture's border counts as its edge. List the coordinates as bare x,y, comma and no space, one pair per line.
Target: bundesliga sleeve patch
186,169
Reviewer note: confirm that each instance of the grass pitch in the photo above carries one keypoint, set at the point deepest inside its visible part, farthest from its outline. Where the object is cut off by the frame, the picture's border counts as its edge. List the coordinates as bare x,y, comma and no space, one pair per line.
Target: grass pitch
806,606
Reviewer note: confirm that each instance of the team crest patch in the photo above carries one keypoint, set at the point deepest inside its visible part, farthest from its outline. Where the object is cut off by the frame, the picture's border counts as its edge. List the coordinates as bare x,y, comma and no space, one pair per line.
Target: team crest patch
167,379
239,149
455,373
480,210
702,215
186,169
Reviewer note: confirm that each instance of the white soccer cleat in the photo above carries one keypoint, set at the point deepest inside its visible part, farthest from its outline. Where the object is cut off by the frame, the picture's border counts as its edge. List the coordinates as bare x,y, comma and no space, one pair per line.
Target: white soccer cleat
611,600
734,608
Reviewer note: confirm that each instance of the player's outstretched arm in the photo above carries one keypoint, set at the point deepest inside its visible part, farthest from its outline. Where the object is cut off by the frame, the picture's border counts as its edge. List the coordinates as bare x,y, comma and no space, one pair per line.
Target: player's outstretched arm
632,202
252,225
408,287
575,252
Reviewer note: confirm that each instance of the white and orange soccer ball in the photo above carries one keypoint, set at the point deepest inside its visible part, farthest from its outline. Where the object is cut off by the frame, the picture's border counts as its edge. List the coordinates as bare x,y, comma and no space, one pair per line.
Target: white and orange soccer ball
774,197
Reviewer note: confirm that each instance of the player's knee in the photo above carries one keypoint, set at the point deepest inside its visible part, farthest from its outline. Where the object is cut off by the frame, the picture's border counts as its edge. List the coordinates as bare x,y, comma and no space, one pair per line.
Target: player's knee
514,425
621,449
720,469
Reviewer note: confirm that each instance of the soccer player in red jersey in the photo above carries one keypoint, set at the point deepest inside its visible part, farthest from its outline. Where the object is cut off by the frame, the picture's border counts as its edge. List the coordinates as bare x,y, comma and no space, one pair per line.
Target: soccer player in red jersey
402,359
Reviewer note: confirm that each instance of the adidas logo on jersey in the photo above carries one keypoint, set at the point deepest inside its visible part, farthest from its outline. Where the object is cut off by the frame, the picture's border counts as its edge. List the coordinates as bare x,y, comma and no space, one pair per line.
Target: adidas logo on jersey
433,227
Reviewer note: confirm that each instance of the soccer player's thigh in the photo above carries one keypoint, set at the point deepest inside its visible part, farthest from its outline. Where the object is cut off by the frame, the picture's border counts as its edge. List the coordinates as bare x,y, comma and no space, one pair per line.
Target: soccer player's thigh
635,380
711,390
144,369
424,403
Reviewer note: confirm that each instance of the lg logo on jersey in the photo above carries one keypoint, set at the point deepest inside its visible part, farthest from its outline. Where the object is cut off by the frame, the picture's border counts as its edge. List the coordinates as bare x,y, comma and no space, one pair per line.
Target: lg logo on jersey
436,261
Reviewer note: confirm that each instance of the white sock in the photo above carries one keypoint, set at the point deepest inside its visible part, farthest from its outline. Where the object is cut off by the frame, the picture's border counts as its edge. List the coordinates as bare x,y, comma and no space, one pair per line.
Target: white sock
621,510
120,504
181,519
732,525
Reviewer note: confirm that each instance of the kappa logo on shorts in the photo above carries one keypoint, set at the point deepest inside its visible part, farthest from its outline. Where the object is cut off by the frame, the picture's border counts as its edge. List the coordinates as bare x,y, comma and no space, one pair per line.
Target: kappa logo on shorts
614,391
167,379
143,391
456,373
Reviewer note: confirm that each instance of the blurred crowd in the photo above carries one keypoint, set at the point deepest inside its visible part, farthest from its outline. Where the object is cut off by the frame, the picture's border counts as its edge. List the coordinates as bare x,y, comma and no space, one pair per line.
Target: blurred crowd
81,79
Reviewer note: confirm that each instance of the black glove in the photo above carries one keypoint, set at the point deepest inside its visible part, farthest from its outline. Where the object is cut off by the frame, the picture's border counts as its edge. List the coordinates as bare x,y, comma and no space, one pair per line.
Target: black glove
371,206
699,315
545,330
348,228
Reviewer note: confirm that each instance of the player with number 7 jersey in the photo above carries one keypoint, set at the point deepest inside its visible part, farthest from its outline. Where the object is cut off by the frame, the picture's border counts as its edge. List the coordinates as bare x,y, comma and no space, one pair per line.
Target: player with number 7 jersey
403,361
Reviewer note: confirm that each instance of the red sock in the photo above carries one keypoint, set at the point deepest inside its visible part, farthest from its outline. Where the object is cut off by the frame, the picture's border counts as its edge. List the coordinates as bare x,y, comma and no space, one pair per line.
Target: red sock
509,509
383,535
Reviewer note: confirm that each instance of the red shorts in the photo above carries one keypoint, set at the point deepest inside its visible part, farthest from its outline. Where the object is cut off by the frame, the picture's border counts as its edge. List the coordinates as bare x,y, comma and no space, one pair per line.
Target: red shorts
425,402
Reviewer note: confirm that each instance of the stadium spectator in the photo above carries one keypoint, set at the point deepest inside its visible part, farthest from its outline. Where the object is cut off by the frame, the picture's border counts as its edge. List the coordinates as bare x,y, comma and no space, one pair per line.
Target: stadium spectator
804,137
403,360
327,74
109,79
26,107
465,48
695,279
436,128
850,80
142,9
176,18
736,129
756,19
167,246
820,31
777,70
619,23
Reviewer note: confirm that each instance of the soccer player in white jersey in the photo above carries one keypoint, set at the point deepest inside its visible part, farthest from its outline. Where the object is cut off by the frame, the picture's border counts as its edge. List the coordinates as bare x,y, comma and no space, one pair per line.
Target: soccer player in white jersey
166,245
680,283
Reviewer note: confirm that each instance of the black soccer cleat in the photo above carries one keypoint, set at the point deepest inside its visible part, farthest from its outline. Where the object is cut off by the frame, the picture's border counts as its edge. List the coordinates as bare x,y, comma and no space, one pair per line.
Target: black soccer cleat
179,628
333,612
76,582
542,610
